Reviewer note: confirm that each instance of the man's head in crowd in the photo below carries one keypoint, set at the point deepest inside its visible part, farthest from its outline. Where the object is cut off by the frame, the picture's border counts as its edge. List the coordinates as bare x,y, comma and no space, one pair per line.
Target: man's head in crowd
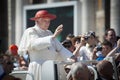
7,63
90,37
105,69
110,35
106,47
79,71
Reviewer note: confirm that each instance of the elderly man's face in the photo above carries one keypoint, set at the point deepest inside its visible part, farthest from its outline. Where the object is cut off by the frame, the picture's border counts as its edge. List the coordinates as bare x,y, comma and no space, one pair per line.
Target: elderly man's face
43,23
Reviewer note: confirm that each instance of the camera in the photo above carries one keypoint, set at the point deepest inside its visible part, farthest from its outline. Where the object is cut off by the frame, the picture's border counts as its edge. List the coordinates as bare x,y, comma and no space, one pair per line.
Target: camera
86,37
99,48
89,34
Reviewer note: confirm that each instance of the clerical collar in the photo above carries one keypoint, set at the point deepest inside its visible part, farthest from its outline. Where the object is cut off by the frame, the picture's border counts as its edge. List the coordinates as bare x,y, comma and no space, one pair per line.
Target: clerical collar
39,29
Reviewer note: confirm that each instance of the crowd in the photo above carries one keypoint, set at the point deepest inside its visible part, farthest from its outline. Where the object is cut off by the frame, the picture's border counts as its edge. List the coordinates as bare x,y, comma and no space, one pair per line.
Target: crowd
91,48
39,44
10,61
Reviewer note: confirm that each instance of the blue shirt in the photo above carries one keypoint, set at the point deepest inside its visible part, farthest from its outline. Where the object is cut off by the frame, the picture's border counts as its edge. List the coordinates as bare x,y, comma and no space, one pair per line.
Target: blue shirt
100,58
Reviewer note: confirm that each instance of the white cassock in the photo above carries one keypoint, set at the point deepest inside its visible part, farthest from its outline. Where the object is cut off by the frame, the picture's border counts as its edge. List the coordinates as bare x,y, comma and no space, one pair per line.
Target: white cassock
41,47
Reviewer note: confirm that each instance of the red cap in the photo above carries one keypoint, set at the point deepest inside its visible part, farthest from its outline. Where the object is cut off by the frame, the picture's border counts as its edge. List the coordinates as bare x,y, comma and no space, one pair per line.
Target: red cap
43,14
13,48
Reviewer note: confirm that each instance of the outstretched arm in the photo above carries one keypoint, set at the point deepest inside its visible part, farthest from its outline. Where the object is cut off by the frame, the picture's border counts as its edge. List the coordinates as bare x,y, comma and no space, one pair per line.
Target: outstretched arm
112,53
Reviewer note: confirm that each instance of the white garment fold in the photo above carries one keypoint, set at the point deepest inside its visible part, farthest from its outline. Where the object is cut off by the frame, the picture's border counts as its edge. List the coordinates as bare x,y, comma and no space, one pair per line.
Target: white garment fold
35,70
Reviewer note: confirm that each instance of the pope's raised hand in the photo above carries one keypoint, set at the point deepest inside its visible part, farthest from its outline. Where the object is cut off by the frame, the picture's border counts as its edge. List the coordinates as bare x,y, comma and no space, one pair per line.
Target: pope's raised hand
58,30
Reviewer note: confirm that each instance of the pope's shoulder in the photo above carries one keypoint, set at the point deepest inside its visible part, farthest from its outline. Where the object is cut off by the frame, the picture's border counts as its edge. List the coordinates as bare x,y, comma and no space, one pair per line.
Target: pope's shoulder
33,30
30,29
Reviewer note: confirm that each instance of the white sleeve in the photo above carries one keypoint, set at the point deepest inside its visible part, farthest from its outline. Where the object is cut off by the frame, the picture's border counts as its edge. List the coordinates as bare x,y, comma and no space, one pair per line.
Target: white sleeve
32,41
62,50
41,43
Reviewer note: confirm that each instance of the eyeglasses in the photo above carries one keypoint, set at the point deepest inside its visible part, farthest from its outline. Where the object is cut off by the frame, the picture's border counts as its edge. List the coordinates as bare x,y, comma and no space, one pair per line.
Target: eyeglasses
91,33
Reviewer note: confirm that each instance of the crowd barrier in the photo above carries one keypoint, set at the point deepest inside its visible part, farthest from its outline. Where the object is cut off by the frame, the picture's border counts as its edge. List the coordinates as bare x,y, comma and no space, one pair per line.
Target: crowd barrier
54,70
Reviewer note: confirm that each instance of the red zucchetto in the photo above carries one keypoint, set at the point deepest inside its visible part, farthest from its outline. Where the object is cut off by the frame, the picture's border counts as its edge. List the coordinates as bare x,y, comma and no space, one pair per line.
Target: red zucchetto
13,49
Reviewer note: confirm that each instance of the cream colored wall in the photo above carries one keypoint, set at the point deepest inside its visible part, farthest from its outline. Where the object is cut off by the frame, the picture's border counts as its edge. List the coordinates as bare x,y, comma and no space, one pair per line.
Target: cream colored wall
100,22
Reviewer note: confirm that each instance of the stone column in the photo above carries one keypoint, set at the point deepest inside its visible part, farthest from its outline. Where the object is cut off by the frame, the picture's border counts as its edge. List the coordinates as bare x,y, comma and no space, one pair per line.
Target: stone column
115,15
19,19
11,32
88,15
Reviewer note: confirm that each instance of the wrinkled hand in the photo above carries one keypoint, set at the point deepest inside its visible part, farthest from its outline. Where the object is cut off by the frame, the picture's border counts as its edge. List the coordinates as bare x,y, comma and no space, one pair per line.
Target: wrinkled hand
58,30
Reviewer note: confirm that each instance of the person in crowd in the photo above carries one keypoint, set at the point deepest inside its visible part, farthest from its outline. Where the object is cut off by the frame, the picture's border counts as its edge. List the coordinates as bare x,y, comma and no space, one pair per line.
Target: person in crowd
115,49
78,71
110,35
22,63
105,70
13,48
86,52
18,60
68,44
13,51
105,48
73,48
6,63
82,39
114,53
70,36
41,44
78,42
67,68
108,51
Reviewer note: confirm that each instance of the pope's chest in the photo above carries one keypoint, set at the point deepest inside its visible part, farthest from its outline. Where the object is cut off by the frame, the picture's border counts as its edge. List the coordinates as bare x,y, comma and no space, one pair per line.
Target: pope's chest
43,34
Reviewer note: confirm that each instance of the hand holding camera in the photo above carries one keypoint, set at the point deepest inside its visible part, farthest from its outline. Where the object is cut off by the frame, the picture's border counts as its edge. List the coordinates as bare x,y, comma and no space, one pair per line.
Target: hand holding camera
99,48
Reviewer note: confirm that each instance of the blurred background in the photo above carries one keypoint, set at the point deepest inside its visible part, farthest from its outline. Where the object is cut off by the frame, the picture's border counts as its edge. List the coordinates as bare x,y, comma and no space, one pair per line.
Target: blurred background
77,16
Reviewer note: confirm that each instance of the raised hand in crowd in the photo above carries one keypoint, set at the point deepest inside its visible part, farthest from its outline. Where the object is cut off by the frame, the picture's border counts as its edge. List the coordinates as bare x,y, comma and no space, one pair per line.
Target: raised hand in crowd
112,53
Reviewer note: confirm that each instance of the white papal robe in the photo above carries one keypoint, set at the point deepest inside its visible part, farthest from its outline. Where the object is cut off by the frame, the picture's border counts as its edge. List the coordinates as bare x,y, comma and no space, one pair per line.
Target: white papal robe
41,47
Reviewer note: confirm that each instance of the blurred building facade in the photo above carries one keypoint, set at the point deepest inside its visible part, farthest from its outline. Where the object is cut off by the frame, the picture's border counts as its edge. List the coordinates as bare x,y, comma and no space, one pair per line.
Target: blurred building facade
96,15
